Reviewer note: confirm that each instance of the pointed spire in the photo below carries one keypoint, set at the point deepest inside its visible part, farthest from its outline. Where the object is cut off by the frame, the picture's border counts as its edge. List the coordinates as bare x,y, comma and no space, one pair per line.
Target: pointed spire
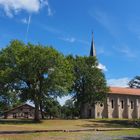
92,50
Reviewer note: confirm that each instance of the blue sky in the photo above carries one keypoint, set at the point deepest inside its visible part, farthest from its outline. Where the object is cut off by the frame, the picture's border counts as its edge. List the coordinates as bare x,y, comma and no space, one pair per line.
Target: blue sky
67,26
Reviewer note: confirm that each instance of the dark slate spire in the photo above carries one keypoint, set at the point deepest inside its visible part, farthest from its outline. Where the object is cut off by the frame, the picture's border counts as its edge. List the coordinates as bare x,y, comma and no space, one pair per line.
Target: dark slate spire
92,49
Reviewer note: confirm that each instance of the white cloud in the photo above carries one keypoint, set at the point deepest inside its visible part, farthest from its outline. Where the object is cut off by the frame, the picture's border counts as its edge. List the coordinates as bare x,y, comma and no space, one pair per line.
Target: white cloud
68,39
28,25
12,7
134,26
102,51
50,29
83,42
102,67
24,21
106,20
46,3
73,40
121,82
126,51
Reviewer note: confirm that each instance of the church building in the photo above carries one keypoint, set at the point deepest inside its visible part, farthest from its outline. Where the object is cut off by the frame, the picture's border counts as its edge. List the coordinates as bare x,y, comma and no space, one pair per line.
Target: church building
120,102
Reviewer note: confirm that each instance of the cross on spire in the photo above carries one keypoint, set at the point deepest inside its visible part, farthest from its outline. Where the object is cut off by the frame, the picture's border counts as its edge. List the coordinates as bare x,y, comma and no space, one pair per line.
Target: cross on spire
92,49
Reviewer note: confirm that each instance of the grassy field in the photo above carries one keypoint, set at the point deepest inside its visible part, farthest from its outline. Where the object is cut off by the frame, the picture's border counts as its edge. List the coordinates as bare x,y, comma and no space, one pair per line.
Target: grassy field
64,124
17,125
115,135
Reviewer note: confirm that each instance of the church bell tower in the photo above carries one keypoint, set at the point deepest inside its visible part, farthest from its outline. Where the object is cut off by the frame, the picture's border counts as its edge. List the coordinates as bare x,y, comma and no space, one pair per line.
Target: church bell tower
92,49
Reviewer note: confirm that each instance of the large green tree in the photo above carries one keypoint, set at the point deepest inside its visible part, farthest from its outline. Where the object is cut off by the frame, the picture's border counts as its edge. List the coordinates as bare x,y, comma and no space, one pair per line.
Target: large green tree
35,71
90,84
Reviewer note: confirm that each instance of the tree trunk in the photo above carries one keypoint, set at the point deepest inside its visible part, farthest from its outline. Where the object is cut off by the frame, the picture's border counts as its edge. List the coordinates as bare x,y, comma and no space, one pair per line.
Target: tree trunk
5,116
41,110
41,96
83,114
36,114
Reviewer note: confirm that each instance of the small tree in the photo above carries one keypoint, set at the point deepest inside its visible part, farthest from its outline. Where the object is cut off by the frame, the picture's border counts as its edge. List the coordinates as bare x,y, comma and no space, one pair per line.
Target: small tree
69,109
52,108
135,82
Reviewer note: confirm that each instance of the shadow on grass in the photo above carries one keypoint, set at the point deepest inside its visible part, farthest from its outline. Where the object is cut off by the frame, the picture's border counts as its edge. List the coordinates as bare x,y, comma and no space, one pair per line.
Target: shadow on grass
18,121
28,131
131,138
111,123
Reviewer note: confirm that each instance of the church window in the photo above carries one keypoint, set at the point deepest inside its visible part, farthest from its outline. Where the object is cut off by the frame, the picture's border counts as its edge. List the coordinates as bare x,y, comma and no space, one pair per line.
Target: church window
132,104
112,103
101,105
122,104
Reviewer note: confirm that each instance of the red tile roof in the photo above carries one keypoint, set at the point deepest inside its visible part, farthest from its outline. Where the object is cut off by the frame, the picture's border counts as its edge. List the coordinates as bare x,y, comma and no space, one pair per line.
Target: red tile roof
125,91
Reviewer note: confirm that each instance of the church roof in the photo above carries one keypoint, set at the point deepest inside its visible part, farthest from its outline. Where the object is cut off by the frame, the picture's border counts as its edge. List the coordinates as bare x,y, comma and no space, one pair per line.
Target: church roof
124,91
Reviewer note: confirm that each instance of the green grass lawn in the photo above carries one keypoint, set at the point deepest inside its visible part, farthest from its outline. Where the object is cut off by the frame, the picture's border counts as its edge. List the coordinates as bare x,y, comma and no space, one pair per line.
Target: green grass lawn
18,125
72,135
64,124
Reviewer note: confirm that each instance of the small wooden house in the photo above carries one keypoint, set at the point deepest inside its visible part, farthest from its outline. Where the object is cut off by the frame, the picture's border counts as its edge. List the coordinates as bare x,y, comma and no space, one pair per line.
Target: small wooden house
22,111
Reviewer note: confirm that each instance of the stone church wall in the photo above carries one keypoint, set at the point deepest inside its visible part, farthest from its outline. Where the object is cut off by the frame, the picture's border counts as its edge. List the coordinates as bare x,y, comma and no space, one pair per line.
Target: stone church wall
119,106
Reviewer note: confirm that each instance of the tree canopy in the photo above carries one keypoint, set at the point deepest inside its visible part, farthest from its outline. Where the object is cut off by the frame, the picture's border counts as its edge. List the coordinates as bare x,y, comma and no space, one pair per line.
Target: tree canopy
39,74
34,72
90,83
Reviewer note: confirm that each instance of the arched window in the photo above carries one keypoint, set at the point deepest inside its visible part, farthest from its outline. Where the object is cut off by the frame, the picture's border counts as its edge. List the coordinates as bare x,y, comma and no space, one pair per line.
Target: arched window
112,103
122,104
132,104
101,105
